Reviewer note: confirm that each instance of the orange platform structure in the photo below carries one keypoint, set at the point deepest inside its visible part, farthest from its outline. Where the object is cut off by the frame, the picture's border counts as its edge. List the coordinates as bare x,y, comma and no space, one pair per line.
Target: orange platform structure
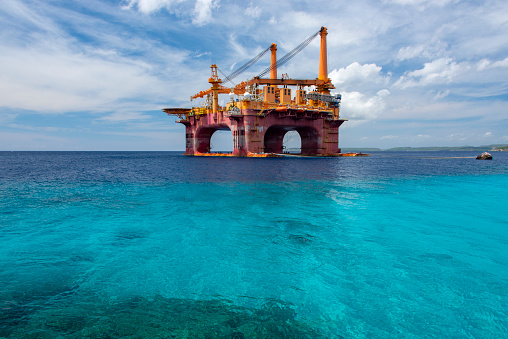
261,111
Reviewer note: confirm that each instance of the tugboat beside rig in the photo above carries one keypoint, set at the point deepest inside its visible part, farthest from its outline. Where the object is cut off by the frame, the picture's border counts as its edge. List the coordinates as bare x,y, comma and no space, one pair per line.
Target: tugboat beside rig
261,111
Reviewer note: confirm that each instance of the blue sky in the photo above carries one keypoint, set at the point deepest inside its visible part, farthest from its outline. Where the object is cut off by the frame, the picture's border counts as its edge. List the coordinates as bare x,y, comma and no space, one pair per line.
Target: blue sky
94,75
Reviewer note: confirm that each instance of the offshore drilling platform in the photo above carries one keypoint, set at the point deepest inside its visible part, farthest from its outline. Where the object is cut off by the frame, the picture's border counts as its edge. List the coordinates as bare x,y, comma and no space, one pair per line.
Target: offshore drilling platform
261,111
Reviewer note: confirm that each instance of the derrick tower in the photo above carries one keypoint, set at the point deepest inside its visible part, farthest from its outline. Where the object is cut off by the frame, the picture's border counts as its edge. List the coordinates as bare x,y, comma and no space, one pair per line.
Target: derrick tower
262,110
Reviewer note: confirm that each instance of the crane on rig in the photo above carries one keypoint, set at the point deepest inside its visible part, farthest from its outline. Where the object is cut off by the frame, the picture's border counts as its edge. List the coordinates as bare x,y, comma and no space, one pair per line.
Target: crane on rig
322,83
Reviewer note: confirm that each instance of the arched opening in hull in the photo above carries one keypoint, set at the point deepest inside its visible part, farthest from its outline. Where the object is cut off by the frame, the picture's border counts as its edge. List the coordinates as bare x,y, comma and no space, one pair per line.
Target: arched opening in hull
274,139
221,142
292,143
204,139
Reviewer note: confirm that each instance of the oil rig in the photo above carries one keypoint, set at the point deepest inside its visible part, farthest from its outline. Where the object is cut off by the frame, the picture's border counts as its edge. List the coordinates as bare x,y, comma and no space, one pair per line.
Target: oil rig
261,111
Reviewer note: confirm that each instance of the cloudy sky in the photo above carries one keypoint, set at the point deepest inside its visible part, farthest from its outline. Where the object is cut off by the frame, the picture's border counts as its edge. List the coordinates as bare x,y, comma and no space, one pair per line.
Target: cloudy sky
94,75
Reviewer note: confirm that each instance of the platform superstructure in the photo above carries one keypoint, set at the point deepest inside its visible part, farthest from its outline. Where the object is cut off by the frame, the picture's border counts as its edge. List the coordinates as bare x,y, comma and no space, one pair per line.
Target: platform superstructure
261,111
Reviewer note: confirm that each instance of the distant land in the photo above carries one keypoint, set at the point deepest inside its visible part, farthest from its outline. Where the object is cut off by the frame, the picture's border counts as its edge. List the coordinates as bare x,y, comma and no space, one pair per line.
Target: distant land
490,148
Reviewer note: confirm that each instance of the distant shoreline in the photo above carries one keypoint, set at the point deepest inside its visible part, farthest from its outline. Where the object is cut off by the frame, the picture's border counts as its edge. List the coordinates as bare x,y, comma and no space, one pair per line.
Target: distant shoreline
490,148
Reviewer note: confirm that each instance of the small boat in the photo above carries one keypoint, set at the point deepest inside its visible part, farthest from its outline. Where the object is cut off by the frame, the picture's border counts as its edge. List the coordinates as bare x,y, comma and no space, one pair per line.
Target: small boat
484,156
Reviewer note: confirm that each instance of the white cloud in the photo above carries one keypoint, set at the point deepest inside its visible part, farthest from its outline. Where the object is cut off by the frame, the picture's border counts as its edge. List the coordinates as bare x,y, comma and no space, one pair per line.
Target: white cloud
203,11
239,50
444,71
423,3
410,52
356,74
389,137
24,17
59,79
356,106
54,73
149,6
42,128
485,64
383,93
439,71
124,116
444,68
253,11
441,94
431,50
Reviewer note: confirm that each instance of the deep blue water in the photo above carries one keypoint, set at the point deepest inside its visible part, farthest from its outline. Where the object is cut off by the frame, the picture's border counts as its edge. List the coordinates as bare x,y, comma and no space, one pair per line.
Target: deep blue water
159,245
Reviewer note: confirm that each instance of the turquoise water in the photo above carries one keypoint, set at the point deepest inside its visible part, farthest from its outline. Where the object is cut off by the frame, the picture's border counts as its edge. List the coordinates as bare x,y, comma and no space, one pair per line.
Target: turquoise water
141,244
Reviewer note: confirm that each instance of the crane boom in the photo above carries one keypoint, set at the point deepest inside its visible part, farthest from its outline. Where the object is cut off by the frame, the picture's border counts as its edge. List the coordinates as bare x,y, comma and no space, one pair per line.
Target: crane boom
290,54
246,66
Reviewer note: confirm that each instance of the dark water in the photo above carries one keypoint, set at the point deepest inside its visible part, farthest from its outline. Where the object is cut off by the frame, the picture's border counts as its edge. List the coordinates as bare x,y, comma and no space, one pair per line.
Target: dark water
159,245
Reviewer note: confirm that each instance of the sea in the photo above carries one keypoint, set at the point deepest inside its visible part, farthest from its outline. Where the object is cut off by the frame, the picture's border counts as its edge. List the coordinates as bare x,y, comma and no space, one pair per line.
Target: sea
161,245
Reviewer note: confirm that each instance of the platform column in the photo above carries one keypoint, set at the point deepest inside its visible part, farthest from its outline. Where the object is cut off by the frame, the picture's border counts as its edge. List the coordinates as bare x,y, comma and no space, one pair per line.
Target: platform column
190,143
239,148
253,135
331,136
323,55
330,140
273,71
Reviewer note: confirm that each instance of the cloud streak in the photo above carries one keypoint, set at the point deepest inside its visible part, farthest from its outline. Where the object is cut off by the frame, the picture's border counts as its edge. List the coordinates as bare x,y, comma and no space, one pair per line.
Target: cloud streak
150,6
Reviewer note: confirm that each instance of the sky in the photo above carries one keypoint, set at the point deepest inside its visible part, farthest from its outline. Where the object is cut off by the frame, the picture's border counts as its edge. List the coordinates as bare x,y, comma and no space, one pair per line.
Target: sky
94,75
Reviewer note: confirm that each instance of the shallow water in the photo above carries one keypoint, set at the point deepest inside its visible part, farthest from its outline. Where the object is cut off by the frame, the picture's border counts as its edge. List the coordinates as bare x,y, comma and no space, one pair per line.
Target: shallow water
156,244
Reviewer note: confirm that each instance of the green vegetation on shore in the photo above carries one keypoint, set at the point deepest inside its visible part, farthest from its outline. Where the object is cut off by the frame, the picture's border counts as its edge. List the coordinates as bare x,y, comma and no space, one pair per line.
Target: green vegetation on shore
456,148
